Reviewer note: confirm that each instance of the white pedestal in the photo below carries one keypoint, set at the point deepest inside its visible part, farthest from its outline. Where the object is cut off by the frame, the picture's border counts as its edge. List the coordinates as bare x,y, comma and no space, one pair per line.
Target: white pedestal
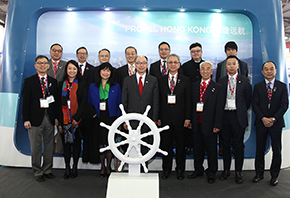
122,185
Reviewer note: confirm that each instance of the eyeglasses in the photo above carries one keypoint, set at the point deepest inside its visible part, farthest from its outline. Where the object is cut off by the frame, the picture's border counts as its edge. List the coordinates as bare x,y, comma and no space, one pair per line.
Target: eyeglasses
82,53
42,63
171,62
128,54
163,49
55,50
141,63
205,69
104,56
195,51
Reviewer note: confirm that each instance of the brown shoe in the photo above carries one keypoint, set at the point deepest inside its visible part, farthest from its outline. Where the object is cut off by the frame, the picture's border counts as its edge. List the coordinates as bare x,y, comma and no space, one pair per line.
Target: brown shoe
225,174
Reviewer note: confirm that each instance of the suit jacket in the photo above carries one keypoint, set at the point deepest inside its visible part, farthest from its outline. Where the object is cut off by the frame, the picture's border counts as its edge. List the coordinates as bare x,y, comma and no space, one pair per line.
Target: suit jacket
213,108
155,69
243,97
243,69
60,70
114,99
31,94
87,71
180,111
191,70
135,103
82,96
122,72
279,103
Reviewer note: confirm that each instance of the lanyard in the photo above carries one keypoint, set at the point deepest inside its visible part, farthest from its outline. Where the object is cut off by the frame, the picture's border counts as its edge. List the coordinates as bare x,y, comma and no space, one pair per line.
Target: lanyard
43,86
232,90
172,86
201,93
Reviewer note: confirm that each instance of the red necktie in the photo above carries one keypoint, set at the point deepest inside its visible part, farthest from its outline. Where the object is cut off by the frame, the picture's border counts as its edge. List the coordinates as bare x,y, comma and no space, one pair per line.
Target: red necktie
140,85
55,67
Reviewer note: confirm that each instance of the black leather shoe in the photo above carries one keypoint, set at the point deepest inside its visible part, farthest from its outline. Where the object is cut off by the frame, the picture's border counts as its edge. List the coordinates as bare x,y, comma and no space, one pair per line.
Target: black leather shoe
180,175
211,180
74,173
194,175
165,175
239,178
225,174
39,178
257,178
49,176
274,181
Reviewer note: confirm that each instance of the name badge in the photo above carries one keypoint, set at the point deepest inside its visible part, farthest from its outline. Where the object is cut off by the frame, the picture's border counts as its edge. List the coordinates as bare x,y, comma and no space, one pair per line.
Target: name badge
68,104
171,99
43,103
199,107
103,106
50,99
231,103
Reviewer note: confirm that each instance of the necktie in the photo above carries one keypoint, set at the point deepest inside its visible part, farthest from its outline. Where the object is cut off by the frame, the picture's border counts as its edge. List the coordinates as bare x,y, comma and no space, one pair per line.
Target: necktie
232,81
172,81
43,84
131,68
269,90
81,71
203,85
164,70
55,67
140,85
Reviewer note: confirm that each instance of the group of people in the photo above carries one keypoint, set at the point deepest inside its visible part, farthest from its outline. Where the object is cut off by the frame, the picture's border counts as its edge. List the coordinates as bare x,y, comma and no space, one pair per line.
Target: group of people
78,96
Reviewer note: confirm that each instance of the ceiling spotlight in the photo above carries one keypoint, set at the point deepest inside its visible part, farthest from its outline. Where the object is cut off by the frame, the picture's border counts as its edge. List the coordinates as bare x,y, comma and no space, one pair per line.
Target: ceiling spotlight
69,9
144,9
107,9
218,11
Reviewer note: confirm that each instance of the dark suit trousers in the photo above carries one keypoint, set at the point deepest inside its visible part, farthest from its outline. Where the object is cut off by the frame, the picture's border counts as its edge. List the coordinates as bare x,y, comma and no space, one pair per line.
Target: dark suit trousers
44,133
233,131
173,134
261,139
202,143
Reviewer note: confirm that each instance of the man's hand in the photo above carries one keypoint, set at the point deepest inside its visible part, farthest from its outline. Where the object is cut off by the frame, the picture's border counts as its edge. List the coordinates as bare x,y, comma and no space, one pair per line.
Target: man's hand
74,123
216,130
125,126
27,124
186,123
159,123
55,122
268,122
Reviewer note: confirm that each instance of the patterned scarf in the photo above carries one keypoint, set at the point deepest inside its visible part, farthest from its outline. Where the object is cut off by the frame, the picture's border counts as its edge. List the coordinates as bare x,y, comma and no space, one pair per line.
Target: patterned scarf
68,113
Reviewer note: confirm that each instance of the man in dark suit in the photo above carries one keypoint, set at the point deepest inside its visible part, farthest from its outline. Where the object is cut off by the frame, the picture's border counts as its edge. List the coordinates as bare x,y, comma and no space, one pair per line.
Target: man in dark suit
231,49
104,56
140,90
39,116
159,68
174,111
56,65
238,99
85,67
129,68
270,102
191,70
207,119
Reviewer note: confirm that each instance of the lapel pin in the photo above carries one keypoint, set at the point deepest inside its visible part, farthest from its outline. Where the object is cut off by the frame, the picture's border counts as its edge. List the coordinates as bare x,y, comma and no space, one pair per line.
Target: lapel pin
146,82
87,68
275,88
113,91
50,85
239,81
213,89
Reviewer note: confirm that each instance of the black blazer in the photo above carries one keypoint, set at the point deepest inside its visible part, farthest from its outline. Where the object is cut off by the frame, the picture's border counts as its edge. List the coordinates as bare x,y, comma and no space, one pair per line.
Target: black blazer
279,103
122,72
135,103
179,112
213,109
191,70
243,69
87,71
155,69
82,96
243,97
31,93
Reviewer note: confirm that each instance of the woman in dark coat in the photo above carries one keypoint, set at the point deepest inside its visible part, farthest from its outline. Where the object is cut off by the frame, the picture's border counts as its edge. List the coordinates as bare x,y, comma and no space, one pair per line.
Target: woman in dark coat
73,93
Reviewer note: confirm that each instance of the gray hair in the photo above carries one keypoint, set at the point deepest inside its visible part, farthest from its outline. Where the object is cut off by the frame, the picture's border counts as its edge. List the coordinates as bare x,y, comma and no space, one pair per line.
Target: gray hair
141,56
206,62
175,55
